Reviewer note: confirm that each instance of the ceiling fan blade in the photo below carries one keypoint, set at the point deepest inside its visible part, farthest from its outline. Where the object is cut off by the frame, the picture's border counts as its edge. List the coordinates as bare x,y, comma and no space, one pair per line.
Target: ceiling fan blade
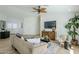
35,9
42,11
43,8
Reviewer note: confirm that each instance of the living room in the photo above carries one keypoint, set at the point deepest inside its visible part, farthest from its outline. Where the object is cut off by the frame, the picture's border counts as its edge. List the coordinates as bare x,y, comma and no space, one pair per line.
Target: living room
29,22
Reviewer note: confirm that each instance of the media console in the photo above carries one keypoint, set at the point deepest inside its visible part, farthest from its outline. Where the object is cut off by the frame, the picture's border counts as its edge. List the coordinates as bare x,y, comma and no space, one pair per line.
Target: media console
50,34
4,34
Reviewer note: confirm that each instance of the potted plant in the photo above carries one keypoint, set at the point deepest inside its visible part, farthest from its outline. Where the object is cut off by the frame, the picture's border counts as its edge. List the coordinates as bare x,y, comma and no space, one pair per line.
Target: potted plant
72,26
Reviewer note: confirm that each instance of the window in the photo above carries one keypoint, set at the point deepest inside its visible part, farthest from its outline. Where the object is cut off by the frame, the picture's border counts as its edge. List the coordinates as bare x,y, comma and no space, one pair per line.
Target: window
14,26
11,25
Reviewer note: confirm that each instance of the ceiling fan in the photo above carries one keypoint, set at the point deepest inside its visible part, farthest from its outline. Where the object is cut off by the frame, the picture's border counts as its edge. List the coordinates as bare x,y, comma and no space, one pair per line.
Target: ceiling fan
39,9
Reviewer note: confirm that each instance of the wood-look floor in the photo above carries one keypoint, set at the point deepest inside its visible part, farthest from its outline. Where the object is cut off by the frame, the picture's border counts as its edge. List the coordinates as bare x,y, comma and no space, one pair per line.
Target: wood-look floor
6,48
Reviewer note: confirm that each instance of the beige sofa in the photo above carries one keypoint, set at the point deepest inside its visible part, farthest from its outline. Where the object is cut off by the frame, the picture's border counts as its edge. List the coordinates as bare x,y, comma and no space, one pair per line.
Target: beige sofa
25,47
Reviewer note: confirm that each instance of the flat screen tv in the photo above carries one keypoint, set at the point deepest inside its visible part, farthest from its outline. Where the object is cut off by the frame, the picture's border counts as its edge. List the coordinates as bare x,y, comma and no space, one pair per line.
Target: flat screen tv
50,24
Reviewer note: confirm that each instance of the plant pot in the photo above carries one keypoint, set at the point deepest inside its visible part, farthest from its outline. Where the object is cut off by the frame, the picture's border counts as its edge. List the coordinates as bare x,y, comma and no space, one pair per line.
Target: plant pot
74,42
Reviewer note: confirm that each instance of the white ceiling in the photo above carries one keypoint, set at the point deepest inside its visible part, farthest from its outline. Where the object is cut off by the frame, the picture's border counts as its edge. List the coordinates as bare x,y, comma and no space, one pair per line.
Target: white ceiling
16,11
63,8
26,10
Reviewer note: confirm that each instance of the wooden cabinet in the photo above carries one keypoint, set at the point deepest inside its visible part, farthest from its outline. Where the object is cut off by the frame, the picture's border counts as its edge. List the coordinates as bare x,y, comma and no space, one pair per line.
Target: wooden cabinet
50,34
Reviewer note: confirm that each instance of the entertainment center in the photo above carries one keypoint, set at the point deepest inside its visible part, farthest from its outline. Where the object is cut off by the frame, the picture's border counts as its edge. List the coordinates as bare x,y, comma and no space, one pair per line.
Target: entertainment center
51,33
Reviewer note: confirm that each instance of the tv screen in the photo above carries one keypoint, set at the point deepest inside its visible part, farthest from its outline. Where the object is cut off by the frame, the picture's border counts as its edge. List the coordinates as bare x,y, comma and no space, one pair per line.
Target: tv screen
50,24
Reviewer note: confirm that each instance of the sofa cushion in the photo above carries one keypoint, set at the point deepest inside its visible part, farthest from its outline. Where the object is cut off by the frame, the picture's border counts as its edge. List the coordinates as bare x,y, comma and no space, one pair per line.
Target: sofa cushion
34,40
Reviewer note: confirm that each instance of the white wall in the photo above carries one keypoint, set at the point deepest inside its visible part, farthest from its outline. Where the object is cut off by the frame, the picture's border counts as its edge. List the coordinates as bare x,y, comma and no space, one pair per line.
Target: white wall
2,17
12,20
31,25
61,19
31,22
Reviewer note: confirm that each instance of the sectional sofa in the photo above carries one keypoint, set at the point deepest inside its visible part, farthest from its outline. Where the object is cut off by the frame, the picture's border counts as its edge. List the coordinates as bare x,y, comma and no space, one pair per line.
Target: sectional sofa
25,47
